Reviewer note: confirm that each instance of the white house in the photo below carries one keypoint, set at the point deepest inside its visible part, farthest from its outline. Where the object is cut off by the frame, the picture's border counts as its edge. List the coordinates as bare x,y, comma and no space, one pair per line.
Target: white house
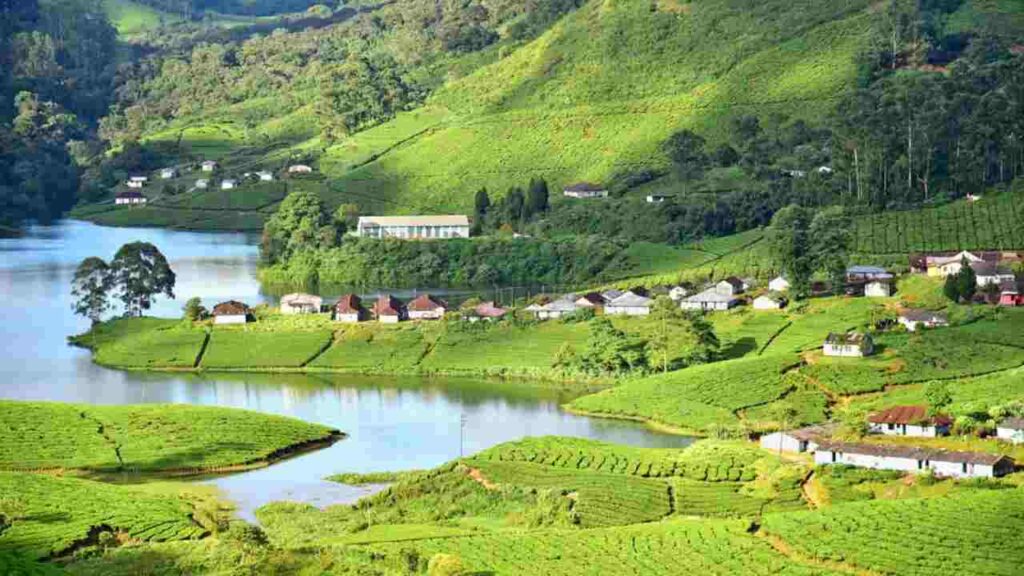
265,176
202,184
426,307
168,173
583,190
769,302
129,198
137,182
987,273
972,198
1011,430
230,312
413,227
878,289
677,293
349,308
208,166
657,198
912,319
300,169
301,304
851,344
731,286
629,304
779,284
557,309
799,440
909,421
943,266
914,459
228,184
709,300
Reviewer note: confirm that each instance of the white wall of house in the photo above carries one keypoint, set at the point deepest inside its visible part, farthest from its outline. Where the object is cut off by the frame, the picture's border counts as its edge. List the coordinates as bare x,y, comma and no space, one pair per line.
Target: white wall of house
708,305
878,289
229,319
1010,435
778,285
583,194
866,461
348,318
777,441
388,319
997,279
304,308
904,430
843,350
765,303
435,314
962,469
627,310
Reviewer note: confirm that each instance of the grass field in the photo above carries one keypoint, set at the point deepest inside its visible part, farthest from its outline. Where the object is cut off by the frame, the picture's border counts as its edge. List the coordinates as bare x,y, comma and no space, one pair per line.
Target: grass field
57,515
144,343
247,349
131,18
898,537
144,438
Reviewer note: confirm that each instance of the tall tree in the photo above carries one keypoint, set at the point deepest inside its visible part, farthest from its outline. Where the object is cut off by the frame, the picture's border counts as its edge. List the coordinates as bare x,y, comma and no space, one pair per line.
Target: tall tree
789,235
301,222
830,236
686,150
140,272
537,196
90,287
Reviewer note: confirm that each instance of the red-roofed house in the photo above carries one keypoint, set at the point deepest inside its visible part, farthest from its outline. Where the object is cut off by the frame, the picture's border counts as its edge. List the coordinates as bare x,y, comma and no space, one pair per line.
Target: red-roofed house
388,310
349,308
426,307
909,421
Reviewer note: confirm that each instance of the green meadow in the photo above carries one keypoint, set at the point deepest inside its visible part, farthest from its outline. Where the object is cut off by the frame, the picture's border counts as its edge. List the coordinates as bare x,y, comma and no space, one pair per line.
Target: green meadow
145,438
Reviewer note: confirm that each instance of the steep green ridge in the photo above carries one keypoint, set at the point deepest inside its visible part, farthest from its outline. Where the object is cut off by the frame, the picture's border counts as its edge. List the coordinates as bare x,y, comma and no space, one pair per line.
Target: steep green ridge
597,93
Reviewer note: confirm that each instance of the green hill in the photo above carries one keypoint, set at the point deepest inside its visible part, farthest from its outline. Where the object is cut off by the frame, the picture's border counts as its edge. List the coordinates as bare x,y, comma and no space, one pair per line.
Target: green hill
598,93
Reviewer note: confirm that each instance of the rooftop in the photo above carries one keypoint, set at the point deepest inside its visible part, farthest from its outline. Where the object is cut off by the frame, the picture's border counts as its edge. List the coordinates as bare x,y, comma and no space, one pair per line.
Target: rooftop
585,187
299,298
230,308
710,295
917,315
348,304
849,338
908,415
425,303
913,453
1012,423
631,299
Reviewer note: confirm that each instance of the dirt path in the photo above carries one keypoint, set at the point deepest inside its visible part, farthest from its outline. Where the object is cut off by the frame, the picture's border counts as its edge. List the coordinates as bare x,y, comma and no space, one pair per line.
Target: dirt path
479,478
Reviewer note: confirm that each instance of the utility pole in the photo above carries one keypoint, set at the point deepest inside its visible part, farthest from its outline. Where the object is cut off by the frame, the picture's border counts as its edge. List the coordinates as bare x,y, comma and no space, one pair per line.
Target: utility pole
462,429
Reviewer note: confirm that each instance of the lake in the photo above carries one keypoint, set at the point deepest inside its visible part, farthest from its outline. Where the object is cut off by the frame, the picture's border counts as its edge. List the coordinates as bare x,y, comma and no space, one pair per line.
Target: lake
393,423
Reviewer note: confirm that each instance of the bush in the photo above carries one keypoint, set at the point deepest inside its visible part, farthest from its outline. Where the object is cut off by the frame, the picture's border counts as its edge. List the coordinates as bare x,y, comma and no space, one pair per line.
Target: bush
445,565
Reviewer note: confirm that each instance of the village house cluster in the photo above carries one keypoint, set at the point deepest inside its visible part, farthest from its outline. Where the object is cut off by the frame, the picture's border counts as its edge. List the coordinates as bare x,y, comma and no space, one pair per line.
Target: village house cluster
350,308
133,196
908,421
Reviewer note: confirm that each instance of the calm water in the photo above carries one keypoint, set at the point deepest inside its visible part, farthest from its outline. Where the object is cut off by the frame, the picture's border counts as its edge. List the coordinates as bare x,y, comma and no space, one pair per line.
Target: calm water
392,423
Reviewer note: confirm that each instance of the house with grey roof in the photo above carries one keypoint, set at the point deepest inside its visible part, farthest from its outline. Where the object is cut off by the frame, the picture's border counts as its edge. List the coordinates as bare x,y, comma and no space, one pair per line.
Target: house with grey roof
557,309
850,345
629,304
712,299
913,319
413,227
914,459
585,190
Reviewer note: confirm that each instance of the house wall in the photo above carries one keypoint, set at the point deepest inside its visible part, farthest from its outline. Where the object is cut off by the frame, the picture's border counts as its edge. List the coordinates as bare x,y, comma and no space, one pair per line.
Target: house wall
843,351
1010,435
778,285
904,430
877,290
389,319
427,314
299,309
627,310
781,441
960,470
414,232
866,461
350,318
765,304
230,319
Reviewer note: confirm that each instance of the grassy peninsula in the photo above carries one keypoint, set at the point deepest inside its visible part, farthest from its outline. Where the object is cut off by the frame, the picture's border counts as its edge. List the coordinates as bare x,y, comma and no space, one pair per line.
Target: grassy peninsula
161,439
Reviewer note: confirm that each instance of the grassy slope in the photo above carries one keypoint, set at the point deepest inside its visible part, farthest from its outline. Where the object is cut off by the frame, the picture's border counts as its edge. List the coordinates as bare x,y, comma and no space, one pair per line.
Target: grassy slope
149,438
593,96
131,18
599,91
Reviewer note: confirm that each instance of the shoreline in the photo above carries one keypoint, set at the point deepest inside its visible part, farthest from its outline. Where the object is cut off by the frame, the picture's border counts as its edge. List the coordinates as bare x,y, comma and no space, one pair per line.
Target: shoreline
655,425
